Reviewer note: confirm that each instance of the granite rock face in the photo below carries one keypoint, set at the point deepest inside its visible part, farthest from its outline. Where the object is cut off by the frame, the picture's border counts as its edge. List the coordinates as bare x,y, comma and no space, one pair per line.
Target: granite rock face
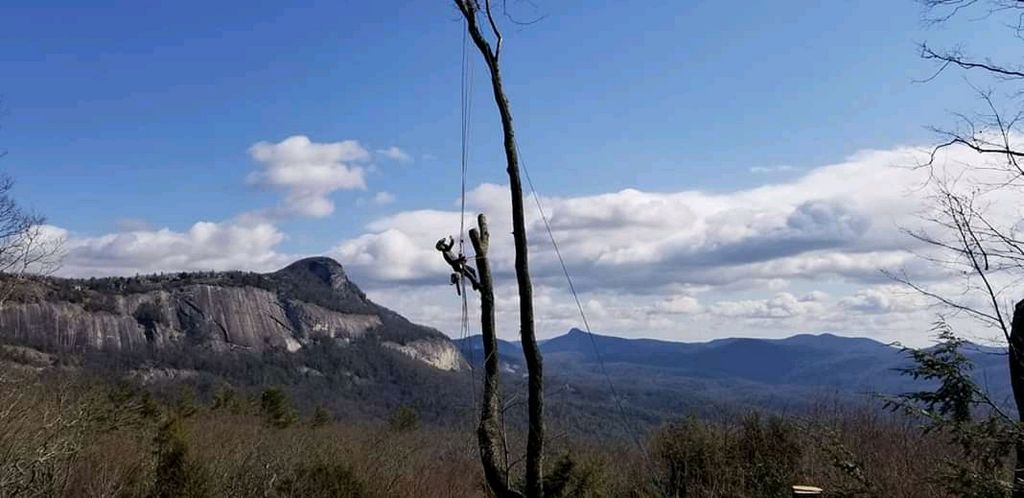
436,354
311,299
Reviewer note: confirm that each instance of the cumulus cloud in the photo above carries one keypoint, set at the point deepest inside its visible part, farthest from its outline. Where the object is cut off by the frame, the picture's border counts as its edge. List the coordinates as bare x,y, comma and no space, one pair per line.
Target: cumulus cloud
204,246
883,299
806,254
308,172
395,154
390,255
679,304
782,305
800,255
841,220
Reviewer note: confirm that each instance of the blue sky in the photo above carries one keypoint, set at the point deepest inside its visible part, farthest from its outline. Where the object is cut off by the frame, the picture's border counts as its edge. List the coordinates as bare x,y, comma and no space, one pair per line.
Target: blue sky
124,116
657,95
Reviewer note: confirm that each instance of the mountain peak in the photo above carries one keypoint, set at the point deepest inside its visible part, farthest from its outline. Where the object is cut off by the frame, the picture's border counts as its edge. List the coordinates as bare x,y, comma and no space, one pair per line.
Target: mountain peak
320,268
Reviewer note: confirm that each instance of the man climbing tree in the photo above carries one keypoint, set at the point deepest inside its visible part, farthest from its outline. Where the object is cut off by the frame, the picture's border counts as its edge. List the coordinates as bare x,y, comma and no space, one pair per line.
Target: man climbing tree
489,47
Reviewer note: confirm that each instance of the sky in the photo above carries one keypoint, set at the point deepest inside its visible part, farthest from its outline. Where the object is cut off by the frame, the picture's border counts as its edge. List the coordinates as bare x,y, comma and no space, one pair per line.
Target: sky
708,170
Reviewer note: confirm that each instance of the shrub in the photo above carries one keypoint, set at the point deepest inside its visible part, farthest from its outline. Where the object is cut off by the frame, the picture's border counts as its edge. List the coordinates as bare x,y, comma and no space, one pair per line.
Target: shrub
100,303
571,478
327,480
177,475
756,458
227,398
769,453
960,409
321,417
277,410
404,419
693,458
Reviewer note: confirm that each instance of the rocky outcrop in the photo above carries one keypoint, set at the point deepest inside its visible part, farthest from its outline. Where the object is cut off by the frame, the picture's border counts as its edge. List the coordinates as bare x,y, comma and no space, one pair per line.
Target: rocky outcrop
438,354
309,300
65,326
156,375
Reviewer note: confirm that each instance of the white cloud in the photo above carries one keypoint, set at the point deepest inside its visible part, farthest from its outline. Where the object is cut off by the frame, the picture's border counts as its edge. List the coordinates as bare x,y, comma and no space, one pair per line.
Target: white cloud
805,254
204,246
391,255
395,154
308,172
782,305
800,255
679,304
841,220
883,299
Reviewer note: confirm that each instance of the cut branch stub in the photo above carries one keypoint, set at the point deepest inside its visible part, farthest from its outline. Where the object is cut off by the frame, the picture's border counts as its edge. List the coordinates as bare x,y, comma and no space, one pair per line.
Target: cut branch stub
489,431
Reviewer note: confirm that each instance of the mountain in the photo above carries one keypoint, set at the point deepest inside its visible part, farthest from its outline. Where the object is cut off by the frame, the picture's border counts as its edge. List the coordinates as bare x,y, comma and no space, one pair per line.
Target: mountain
309,328
310,300
801,367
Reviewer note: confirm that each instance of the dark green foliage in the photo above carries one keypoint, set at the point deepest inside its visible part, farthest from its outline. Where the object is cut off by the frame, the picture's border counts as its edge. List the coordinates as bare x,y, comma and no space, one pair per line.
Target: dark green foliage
95,303
956,395
569,478
853,480
322,480
758,458
959,409
362,379
177,475
277,409
127,407
227,398
405,418
770,453
688,454
149,408
185,404
321,417
98,448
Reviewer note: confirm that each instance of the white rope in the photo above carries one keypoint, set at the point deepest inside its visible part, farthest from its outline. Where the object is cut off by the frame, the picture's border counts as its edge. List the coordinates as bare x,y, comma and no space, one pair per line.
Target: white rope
466,105
583,315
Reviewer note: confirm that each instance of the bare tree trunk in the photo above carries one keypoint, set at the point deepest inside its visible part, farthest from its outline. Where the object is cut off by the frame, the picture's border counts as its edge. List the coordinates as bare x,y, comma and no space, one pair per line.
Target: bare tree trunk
1016,358
489,431
527,335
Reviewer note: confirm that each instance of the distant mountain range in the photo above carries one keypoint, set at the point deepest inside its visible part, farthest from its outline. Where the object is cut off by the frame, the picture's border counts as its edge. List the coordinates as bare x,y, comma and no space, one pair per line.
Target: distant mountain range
308,327
777,372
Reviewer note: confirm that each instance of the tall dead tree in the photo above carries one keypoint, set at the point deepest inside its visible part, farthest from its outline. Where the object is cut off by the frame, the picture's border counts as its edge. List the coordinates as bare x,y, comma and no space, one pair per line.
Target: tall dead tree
476,15
983,247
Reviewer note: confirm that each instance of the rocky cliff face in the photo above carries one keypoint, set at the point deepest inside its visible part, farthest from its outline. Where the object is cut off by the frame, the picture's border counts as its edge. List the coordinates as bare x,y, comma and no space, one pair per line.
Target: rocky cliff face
310,300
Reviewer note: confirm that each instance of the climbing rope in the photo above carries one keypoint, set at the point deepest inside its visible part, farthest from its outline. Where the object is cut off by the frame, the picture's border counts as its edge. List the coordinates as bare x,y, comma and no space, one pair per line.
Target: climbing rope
583,315
466,108
466,105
